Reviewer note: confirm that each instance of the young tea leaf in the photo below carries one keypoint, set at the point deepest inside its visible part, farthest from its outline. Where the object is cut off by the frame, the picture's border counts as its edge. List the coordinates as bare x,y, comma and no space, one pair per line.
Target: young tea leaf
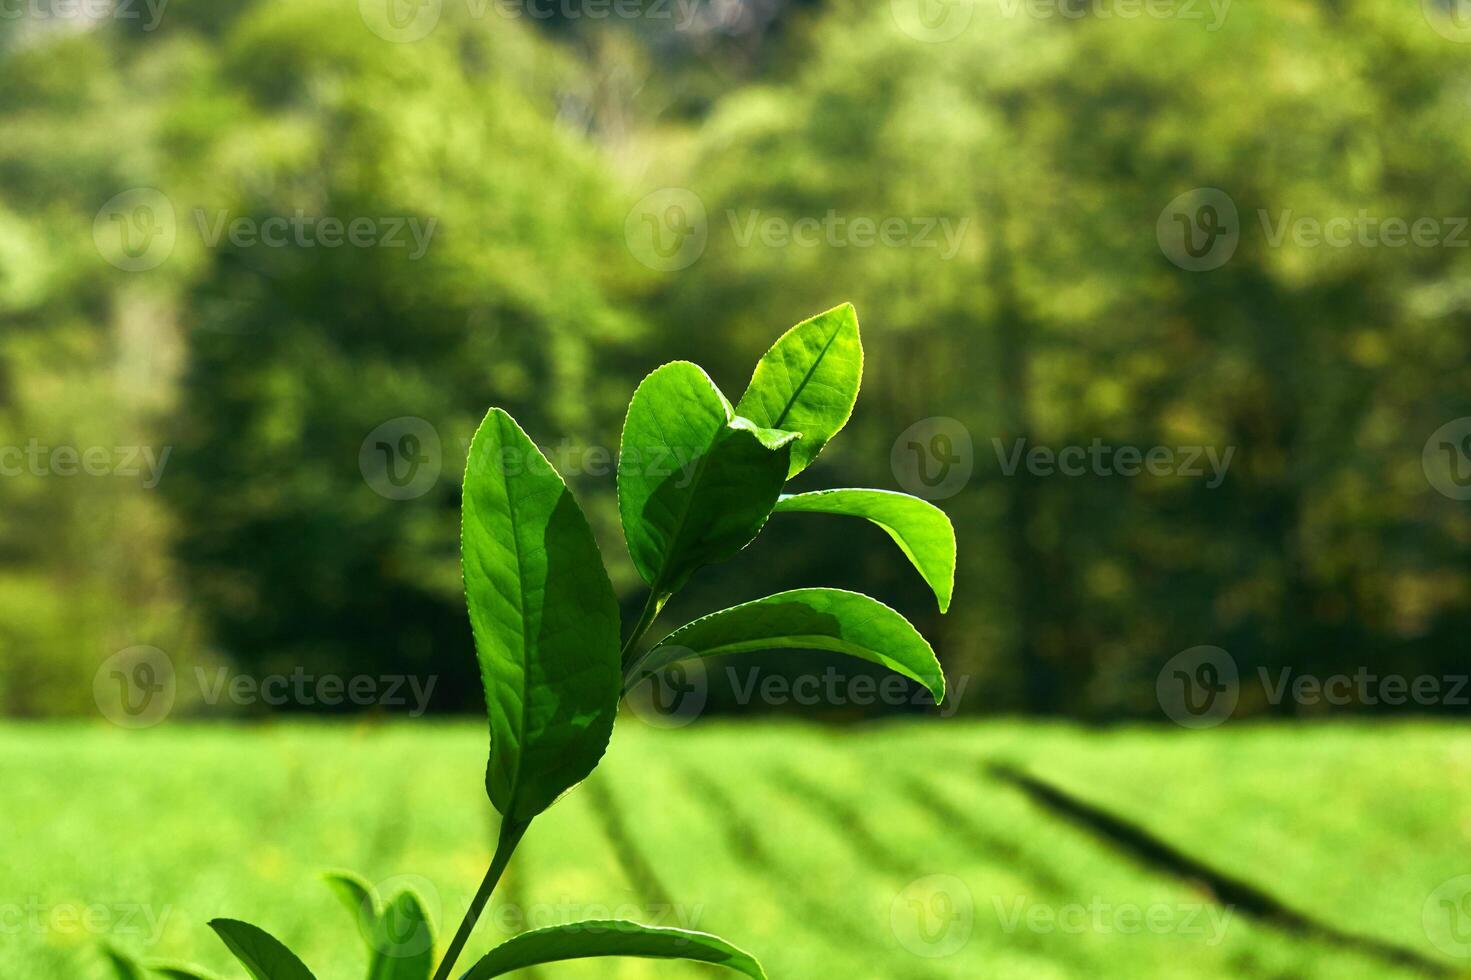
804,619
361,902
403,941
695,482
262,955
544,618
123,965
920,529
580,940
808,382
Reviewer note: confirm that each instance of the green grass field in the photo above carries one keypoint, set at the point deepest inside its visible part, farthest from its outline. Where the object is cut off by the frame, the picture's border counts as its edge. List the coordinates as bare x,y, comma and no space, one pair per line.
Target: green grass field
888,852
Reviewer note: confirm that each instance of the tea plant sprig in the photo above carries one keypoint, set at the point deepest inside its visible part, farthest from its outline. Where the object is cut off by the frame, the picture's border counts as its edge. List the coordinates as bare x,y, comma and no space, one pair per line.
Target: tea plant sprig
547,631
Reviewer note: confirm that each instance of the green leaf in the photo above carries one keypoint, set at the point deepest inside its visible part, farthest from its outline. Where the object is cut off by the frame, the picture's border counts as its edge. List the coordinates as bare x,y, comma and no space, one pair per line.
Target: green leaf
263,956
695,482
358,897
123,965
808,382
811,619
181,972
918,527
580,940
544,618
403,941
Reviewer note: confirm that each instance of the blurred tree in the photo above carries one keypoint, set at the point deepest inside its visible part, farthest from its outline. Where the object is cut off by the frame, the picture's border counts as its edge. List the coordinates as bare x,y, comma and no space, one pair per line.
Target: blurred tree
1055,143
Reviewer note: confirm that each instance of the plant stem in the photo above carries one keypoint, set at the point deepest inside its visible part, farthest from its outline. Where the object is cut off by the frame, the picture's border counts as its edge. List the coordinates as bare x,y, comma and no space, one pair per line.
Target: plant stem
511,833
646,619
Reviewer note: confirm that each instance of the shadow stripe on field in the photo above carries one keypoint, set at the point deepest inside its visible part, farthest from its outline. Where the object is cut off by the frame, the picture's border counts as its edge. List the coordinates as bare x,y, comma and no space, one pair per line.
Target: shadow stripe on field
1159,855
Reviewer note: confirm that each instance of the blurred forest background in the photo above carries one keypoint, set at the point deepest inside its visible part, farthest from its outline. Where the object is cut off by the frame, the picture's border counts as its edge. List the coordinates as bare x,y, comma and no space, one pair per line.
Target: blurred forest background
559,156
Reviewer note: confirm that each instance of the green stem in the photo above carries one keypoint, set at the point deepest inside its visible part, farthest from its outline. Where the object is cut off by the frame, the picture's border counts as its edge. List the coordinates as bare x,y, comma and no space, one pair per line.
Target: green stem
646,619
511,833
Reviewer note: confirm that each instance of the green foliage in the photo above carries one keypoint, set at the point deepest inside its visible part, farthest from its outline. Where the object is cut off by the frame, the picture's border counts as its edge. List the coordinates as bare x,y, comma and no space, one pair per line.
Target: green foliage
544,618
613,938
918,527
810,619
737,822
262,955
695,482
808,382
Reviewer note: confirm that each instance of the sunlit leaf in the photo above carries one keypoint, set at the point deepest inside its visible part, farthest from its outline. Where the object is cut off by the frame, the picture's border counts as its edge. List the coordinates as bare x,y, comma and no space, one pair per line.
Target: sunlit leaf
918,527
805,619
695,481
403,941
544,618
580,940
808,382
262,955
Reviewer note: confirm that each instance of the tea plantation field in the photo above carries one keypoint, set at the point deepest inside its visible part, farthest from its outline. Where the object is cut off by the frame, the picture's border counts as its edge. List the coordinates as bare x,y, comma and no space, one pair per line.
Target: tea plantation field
924,851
